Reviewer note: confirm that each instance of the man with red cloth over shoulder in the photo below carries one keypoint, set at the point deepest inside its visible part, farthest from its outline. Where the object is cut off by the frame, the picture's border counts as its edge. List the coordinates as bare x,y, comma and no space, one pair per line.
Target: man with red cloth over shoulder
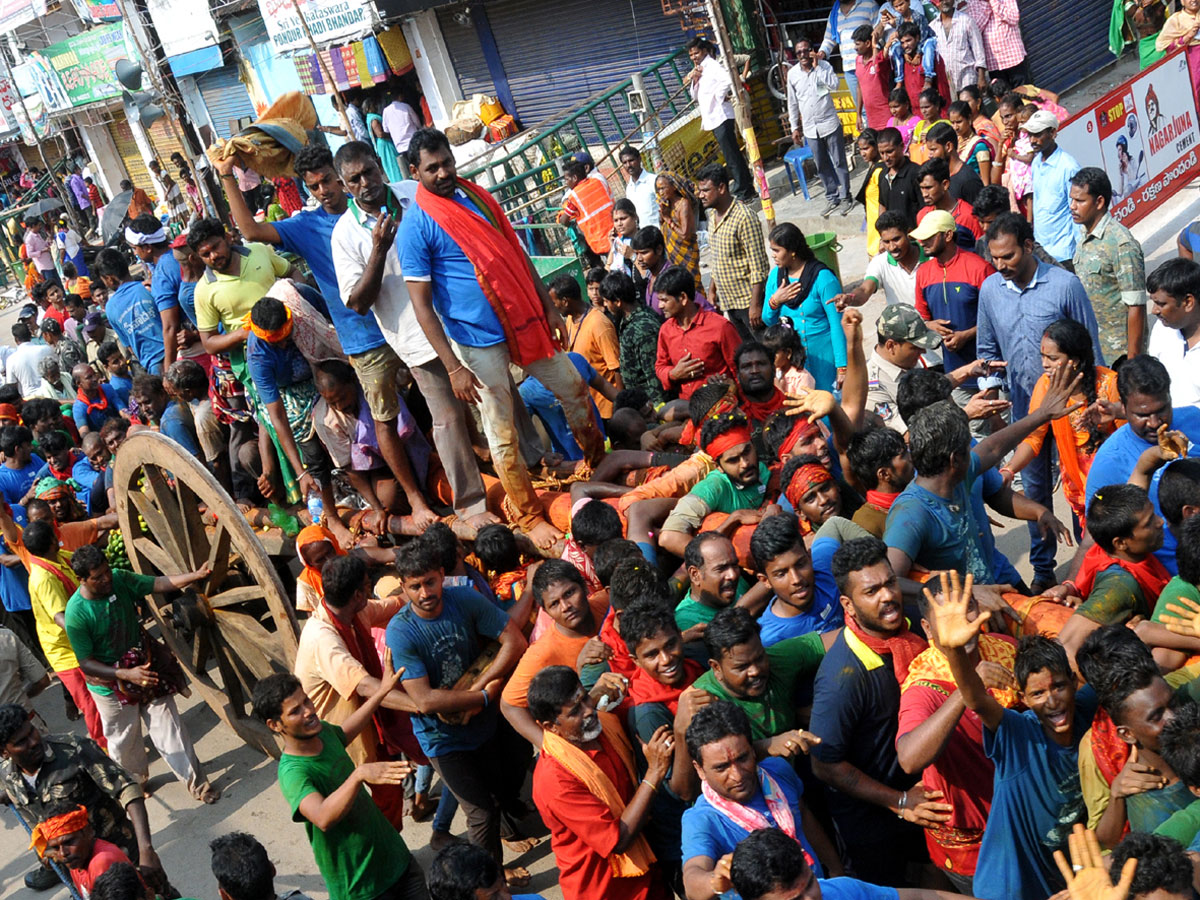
482,306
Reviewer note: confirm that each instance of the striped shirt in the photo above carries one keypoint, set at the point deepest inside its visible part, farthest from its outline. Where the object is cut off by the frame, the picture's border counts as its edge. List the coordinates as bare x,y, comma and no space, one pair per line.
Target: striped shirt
839,29
999,20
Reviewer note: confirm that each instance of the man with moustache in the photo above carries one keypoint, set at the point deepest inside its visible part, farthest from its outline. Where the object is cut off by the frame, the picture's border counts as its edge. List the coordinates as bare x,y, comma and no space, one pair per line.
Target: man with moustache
586,791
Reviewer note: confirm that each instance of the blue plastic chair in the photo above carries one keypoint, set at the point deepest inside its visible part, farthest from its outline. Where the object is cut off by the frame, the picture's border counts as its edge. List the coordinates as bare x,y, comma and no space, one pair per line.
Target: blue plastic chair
793,164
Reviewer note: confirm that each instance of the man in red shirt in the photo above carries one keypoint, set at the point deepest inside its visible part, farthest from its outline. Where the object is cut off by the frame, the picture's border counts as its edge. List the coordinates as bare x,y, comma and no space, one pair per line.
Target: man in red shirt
693,344
934,180
874,72
586,788
66,836
939,736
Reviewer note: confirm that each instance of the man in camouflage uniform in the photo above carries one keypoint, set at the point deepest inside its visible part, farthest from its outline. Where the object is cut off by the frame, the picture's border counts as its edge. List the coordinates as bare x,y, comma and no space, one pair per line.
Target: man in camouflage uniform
1109,262
66,767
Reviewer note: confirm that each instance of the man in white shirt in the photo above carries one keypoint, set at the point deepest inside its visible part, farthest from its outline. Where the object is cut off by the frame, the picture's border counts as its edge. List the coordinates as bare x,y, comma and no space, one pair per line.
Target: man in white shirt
960,45
895,270
401,122
22,365
711,88
639,187
814,118
1174,289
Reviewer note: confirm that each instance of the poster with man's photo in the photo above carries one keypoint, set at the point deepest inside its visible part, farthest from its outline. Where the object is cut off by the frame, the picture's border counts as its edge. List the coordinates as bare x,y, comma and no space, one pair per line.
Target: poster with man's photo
1145,135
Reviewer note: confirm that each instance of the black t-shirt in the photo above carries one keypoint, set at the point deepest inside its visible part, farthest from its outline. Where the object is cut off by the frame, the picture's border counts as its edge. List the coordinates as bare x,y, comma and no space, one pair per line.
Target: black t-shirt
856,714
965,185
902,193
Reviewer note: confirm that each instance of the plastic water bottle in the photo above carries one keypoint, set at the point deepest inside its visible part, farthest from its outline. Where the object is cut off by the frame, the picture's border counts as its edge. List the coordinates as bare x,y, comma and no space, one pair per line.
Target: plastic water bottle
316,508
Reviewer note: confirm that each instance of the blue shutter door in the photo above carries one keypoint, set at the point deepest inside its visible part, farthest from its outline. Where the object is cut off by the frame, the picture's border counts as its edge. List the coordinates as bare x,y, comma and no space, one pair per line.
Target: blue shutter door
226,98
558,54
1066,40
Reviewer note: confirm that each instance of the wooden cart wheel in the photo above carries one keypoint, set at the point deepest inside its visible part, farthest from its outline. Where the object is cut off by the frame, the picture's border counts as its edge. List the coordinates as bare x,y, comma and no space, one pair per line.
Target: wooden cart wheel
236,626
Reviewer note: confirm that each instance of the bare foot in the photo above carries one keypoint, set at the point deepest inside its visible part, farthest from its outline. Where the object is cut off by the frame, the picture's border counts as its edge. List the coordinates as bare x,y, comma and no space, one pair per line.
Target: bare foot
423,516
544,535
480,520
516,876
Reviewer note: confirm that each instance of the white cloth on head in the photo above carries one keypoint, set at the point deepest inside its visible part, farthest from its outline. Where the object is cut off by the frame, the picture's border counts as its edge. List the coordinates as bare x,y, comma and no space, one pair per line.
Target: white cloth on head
137,239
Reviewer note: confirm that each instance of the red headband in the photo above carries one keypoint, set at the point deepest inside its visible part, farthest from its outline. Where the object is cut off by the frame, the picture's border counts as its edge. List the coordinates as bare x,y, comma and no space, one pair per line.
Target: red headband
802,428
804,478
727,440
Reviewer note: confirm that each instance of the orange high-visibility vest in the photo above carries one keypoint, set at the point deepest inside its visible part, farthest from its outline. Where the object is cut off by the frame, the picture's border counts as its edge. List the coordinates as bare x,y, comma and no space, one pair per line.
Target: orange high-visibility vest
590,204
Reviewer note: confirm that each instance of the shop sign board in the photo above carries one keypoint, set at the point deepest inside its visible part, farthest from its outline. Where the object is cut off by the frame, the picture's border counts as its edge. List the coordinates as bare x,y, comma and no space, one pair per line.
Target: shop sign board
1145,134
328,20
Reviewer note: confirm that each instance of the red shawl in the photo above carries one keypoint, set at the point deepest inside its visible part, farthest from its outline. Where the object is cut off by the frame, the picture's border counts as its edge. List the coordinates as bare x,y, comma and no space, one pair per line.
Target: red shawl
758,413
1151,575
489,242
643,688
1110,752
880,500
903,647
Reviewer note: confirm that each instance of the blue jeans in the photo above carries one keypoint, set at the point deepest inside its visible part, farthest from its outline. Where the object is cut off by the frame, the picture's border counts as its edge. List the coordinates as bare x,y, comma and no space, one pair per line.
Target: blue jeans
928,61
1038,481
447,804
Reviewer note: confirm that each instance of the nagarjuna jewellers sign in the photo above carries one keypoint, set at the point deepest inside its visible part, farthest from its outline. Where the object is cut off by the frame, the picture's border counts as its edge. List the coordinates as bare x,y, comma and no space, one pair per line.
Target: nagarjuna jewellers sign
1145,135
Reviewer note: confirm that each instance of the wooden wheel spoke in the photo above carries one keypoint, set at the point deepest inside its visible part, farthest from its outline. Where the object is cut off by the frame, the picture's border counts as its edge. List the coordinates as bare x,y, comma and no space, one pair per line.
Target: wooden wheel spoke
218,557
236,595
167,502
156,524
256,647
196,534
155,555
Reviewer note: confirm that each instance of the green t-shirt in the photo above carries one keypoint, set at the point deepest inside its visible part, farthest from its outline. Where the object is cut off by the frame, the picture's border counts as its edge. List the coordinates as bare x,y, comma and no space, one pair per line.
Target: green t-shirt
1175,589
1183,826
104,629
775,711
1116,598
720,494
691,612
361,856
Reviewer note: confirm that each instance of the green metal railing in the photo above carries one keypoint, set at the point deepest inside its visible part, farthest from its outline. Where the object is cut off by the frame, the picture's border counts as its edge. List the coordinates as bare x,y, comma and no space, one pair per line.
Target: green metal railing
527,179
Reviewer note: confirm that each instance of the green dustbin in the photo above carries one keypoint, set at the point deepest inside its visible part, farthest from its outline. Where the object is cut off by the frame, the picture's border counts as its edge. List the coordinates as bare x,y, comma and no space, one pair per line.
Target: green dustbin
825,247
549,266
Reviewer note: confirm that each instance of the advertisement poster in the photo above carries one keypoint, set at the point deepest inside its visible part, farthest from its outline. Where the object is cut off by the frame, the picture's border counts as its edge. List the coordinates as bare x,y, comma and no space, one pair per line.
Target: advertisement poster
94,12
183,25
15,13
328,20
1145,135
84,65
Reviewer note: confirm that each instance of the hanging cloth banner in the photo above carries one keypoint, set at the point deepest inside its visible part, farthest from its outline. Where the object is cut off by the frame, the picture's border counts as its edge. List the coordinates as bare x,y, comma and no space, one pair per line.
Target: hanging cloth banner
15,13
363,63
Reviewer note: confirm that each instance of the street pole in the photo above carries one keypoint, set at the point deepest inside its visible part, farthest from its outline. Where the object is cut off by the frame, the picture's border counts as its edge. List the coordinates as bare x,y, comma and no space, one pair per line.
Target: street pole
741,109
37,140
150,67
333,89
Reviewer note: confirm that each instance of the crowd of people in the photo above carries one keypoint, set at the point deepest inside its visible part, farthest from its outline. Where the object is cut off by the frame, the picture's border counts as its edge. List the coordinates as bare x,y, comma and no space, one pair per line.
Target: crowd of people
672,549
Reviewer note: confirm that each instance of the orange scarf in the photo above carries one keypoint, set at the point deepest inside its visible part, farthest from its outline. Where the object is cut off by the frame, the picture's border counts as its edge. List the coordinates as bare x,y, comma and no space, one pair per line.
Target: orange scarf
932,667
68,823
501,267
638,858
311,575
1110,752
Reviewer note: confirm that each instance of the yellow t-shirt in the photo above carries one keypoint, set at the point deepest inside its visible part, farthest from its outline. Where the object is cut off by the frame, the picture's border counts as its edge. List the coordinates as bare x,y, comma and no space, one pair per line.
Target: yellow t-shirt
227,299
48,596
871,201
